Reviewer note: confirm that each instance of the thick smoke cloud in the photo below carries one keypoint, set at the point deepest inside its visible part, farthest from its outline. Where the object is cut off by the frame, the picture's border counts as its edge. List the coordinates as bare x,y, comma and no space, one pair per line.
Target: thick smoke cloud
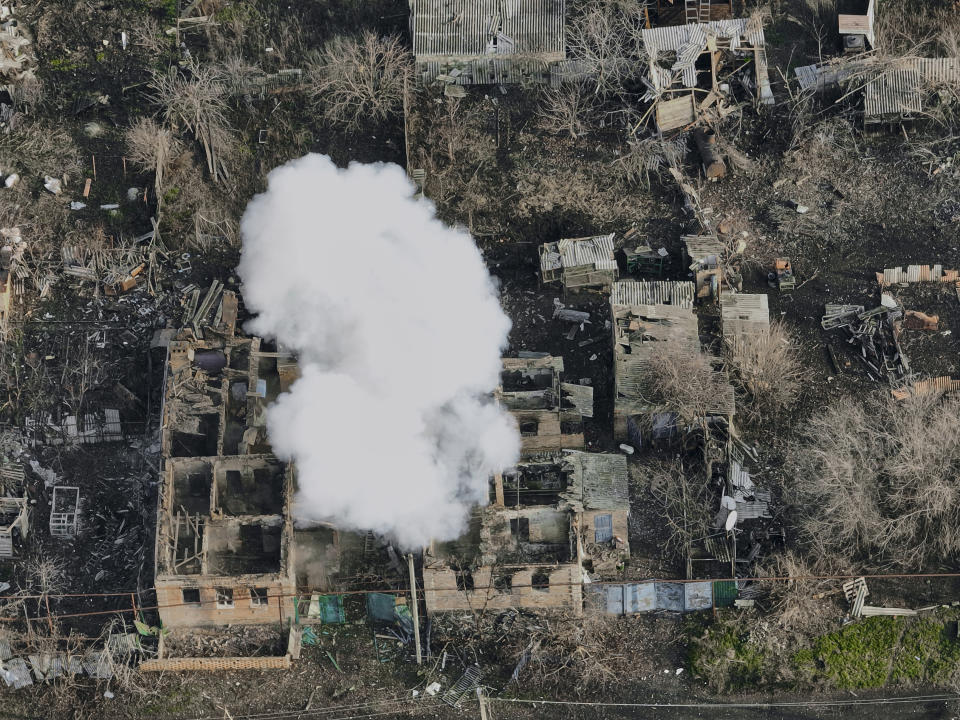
399,334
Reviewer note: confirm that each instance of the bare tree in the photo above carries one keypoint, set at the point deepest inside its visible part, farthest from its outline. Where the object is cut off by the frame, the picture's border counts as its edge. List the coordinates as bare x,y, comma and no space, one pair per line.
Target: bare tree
567,109
606,40
199,102
360,79
766,368
685,501
880,479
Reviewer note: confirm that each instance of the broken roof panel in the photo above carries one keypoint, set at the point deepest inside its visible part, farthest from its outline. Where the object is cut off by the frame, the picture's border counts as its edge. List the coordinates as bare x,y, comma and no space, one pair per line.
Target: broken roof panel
743,314
659,292
917,273
596,252
900,89
598,481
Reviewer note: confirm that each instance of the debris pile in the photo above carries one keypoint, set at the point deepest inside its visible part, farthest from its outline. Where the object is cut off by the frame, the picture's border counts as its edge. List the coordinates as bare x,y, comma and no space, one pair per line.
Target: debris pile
875,332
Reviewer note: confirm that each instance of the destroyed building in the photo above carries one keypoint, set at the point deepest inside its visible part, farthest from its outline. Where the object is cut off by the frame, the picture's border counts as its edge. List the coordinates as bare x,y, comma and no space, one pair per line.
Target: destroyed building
580,263
484,42
641,330
687,64
899,90
704,255
551,519
228,550
548,412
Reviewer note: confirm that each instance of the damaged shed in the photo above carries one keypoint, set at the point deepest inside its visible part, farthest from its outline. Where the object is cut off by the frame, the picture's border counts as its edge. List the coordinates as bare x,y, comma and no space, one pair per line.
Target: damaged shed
580,263
676,73
486,42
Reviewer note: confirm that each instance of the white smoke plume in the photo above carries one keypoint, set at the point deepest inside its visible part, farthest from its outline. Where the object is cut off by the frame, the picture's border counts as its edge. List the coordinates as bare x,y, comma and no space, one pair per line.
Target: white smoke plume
399,335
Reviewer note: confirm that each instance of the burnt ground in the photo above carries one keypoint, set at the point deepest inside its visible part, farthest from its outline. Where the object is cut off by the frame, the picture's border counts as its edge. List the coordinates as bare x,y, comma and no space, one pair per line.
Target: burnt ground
873,201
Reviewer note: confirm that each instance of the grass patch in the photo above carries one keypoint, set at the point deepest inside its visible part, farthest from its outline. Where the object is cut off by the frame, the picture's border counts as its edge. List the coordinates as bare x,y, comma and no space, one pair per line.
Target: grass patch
871,653
929,652
726,659
858,656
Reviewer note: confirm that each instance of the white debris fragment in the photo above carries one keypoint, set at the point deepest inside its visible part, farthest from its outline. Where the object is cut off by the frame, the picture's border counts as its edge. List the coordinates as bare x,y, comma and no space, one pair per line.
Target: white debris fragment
432,689
53,184
76,205
11,180
48,476
628,449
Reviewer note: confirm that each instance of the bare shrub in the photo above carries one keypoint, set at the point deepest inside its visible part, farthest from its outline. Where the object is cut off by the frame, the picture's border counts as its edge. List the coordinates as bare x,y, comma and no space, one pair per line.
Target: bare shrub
588,648
766,369
38,149
684,381
46,574
649,158
149,35
359,79
879,480
799,603
199,103
567,109
152,147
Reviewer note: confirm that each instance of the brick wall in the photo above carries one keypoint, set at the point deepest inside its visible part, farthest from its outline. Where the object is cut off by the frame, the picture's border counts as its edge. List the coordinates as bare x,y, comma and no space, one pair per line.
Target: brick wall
565,592
174,613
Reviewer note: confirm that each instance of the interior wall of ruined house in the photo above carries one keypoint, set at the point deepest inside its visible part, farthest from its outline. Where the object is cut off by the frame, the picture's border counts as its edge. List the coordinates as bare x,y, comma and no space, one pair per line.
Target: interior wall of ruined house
605,556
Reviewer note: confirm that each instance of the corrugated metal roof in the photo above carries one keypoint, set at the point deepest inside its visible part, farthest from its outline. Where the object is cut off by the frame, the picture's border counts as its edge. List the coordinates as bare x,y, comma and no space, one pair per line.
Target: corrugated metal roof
917,273
899,89
699,247
659,292
596,252
673,38
468,27
941,384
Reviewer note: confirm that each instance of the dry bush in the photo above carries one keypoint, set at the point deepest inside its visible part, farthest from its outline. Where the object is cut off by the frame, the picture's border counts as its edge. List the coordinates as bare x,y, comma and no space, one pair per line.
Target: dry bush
766,369
199,103
150,36
152,147
606,39
879,480
587,648
46,574
361,79
35,149
684,381
567,109
649,158
800,604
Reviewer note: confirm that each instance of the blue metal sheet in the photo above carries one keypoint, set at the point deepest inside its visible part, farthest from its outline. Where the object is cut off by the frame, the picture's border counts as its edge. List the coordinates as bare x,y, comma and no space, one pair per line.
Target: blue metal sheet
698,596
670,596
639,597
609,598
